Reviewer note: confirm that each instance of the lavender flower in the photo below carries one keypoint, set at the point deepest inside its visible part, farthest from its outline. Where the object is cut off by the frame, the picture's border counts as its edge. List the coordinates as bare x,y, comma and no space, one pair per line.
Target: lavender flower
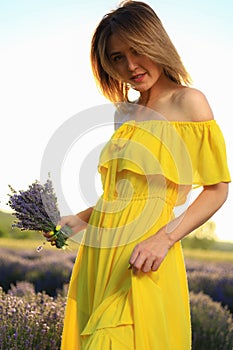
31,321
36,209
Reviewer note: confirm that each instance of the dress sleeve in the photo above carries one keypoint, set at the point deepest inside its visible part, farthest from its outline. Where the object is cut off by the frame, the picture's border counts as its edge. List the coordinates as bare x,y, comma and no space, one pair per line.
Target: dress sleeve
186,153
207,149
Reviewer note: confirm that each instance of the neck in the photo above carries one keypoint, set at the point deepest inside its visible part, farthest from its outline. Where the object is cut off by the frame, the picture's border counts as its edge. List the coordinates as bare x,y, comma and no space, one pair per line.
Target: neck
158,90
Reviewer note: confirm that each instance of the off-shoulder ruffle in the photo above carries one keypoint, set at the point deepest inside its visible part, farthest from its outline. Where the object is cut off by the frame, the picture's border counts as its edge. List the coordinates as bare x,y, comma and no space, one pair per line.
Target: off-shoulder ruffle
184,152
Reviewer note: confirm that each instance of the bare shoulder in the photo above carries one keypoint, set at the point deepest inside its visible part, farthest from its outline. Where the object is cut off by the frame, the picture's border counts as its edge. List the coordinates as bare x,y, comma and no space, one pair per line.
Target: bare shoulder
193,105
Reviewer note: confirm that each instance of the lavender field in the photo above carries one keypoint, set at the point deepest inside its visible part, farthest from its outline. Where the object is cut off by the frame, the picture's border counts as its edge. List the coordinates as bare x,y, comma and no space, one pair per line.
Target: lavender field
33,296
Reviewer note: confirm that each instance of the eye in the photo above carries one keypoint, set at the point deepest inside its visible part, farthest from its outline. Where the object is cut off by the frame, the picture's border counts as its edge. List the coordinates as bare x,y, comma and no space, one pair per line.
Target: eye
117,58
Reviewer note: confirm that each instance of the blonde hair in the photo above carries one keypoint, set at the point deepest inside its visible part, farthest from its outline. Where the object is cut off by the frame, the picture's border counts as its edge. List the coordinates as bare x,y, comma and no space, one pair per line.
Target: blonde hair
141,29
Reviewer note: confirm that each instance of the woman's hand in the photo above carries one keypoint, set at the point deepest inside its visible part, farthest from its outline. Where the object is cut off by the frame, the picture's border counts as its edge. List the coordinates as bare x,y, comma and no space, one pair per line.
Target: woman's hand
75,223
149,254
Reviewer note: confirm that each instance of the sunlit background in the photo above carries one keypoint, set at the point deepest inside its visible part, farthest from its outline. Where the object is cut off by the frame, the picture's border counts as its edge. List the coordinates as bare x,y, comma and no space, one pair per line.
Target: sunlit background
45,76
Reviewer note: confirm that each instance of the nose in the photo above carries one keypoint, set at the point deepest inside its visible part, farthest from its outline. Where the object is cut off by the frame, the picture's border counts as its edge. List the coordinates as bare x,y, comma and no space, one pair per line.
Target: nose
132,63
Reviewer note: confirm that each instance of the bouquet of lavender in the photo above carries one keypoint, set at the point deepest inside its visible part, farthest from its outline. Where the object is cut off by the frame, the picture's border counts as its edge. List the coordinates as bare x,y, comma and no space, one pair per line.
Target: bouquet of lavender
36,209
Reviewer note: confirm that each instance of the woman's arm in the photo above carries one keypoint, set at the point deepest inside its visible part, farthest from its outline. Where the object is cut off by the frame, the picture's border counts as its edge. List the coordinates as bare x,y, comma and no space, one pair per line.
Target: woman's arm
76,222
149,254
206,204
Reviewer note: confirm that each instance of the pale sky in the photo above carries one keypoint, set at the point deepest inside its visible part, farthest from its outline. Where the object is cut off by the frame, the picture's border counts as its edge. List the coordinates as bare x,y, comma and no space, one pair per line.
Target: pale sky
45,78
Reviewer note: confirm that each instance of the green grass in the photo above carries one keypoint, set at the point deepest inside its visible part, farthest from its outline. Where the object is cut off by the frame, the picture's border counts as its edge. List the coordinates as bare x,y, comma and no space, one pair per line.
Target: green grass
208,255
31,244
22,243
200,254
6,229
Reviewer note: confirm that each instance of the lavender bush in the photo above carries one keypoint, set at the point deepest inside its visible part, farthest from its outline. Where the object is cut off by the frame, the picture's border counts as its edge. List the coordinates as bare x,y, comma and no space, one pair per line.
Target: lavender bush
41,315
214,279
22,289
48,272
219,287
211,323
32,321
36,209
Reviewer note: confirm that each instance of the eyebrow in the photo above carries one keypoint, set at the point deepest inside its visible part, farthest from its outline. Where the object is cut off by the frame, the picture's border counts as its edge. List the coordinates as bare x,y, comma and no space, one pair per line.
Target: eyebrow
115,53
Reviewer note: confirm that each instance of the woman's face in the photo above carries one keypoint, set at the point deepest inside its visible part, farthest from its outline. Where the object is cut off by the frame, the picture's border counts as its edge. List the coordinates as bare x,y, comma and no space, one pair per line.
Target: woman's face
133,68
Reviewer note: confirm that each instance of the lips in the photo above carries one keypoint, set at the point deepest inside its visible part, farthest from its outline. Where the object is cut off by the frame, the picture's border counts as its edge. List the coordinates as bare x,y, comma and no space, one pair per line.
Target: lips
137,78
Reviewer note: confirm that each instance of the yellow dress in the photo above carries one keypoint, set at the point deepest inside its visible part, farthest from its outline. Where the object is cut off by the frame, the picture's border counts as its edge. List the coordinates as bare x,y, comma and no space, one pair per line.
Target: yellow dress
147,168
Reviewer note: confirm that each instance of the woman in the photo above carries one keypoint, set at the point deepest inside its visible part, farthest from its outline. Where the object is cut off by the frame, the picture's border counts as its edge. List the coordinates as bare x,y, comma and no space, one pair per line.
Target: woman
129,289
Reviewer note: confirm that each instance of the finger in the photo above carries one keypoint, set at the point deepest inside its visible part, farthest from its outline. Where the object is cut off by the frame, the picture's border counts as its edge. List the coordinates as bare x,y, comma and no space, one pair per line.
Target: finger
66,221
139,262
48,234
134,256
147,266
135,271
156,264
63,221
